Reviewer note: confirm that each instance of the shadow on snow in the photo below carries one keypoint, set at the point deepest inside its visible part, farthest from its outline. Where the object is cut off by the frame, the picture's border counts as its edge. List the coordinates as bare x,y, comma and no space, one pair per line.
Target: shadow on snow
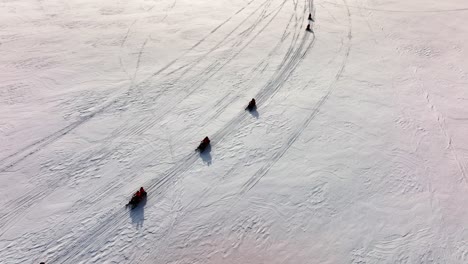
138,213
254,112
206,155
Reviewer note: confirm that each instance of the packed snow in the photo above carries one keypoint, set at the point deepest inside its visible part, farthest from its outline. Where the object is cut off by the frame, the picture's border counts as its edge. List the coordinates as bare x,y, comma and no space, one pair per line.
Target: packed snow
355,153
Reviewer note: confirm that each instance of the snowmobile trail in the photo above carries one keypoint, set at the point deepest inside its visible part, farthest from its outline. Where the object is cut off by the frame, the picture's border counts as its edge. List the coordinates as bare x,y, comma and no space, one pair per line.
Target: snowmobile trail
292,139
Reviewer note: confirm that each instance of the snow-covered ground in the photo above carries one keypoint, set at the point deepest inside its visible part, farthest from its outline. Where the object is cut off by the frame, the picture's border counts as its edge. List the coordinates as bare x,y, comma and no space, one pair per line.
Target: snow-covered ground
356,153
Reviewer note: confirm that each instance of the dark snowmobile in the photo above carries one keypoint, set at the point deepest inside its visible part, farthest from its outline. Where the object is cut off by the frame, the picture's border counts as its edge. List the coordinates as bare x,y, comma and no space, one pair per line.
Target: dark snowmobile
138,197
203,144
252,105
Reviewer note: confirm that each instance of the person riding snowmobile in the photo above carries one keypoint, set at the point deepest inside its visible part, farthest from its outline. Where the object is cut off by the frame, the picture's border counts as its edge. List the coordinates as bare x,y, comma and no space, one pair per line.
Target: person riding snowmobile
142,192
252,105
137,197
203,144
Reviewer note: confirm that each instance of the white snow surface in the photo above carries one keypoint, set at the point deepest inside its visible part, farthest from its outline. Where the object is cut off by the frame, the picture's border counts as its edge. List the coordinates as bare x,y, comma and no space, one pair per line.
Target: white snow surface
357,152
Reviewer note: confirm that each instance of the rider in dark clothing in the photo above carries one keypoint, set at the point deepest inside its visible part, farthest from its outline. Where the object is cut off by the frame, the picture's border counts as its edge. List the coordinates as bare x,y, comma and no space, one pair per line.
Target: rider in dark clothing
203,144
137,197
252,105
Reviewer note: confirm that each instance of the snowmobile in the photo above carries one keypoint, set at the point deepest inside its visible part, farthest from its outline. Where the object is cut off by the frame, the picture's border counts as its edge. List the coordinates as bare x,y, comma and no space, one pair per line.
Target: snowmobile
252,105
203,144
139,196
